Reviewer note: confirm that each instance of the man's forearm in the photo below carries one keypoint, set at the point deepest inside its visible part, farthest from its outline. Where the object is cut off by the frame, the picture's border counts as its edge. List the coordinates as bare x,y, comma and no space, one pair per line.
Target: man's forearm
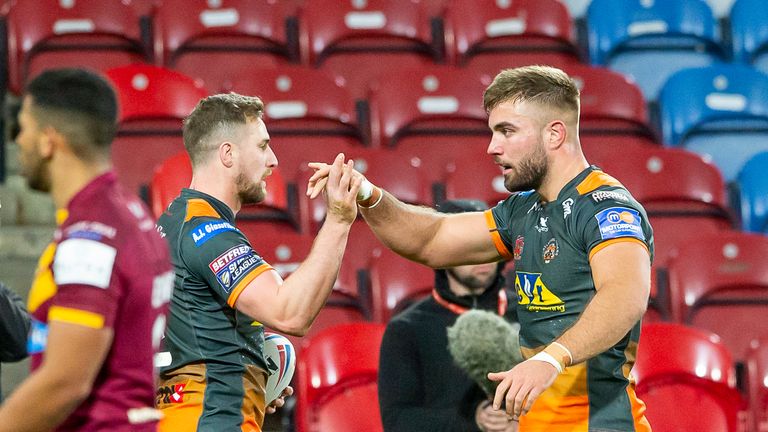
310,285
40,404
404,228
608,317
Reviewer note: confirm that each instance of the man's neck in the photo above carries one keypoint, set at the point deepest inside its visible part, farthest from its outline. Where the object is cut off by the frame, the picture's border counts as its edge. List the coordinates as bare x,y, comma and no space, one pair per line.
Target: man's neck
71,175
559,174
217,186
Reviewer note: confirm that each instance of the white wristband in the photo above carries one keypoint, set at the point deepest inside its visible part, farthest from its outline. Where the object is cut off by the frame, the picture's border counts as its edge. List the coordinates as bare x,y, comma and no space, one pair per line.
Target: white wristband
365,191
547,358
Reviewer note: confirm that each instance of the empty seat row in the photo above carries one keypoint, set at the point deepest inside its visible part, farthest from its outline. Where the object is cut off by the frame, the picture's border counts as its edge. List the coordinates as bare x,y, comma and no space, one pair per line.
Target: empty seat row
196,37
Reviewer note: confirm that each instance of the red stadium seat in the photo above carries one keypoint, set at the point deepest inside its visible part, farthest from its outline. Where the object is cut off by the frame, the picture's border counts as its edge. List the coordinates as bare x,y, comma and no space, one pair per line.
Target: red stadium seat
480,179
757,383
666,181
687,379
493,35
720,282
361,41
309,115
95,34
334,369
153,101
611,106
395,280
216,40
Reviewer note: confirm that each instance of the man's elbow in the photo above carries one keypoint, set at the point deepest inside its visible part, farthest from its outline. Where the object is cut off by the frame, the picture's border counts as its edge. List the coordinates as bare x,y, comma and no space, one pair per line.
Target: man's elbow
295,326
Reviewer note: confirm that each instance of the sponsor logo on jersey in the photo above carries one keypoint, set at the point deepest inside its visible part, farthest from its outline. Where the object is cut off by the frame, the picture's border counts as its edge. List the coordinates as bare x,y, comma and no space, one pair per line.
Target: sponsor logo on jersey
615,222
208,230
81,261
38,337
567,207
170,394
233,265
609,195
519,244
227,257
534,295
90,230
550,251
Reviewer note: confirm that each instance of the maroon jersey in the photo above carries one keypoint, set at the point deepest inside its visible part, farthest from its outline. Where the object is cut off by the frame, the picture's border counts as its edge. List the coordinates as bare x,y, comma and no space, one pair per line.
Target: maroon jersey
107,267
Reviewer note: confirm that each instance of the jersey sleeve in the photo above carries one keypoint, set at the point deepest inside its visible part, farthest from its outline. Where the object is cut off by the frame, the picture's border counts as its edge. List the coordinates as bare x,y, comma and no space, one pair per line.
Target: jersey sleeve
88,287
219,254
606,217
499,221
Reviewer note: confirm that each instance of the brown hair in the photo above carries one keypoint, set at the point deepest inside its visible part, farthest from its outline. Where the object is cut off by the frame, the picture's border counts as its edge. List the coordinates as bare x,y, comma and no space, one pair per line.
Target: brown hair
544,85
216,115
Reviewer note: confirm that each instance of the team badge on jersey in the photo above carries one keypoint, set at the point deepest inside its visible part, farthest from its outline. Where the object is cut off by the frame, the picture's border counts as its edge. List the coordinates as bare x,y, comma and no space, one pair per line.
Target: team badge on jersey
550,251
534,295
617,222
519,244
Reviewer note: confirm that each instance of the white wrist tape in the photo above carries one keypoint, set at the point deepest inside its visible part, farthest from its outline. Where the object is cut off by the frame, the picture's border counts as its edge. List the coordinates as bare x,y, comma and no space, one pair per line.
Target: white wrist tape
365,191
547,358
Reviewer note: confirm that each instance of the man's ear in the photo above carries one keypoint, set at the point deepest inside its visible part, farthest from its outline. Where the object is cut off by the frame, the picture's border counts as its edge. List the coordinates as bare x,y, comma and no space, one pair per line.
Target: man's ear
226,156
556,133
51,141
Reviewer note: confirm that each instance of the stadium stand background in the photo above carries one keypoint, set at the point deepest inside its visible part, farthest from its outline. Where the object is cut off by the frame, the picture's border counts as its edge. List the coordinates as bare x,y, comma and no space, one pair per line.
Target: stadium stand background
674,104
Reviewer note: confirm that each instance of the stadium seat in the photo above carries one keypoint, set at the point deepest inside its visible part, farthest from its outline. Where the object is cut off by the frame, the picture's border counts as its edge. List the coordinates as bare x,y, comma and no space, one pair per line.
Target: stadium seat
434,115
666,181
757,383
491,35
153,101
687,379
481,179
309,115
749,35
650,40
753,194
612,107
719,282
395,280
87,33
720,111
215,40
337,373
361,41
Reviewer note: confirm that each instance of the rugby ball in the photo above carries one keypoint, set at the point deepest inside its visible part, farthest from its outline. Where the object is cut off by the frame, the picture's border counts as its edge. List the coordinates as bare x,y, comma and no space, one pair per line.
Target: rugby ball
281,363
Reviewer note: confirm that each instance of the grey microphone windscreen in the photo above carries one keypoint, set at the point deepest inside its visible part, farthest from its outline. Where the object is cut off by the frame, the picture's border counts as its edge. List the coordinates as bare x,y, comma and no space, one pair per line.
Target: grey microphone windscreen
481,342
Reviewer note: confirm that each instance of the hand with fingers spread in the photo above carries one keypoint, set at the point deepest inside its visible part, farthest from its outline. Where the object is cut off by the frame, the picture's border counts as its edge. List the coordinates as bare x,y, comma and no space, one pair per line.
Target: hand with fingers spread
341,190
521,386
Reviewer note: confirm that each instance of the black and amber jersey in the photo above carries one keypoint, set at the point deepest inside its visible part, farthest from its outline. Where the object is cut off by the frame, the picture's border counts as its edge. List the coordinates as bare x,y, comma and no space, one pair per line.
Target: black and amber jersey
207,337
551,244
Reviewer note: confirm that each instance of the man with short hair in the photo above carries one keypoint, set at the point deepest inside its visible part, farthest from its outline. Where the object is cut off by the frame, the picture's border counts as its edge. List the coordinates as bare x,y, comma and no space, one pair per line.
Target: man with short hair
213,373
101,289
582,248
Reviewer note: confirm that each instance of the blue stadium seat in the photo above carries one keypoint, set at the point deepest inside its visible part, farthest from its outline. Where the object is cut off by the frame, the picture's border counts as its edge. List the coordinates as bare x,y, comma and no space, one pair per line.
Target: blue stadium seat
720,111
749,34
753,194
650,40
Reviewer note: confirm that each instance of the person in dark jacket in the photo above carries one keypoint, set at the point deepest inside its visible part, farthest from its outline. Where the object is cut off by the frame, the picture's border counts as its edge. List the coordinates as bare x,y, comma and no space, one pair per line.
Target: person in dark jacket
14,327
420,387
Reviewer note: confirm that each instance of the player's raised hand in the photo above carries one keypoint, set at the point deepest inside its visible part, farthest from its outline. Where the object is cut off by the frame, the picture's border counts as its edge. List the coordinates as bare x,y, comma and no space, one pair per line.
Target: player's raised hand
341,191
